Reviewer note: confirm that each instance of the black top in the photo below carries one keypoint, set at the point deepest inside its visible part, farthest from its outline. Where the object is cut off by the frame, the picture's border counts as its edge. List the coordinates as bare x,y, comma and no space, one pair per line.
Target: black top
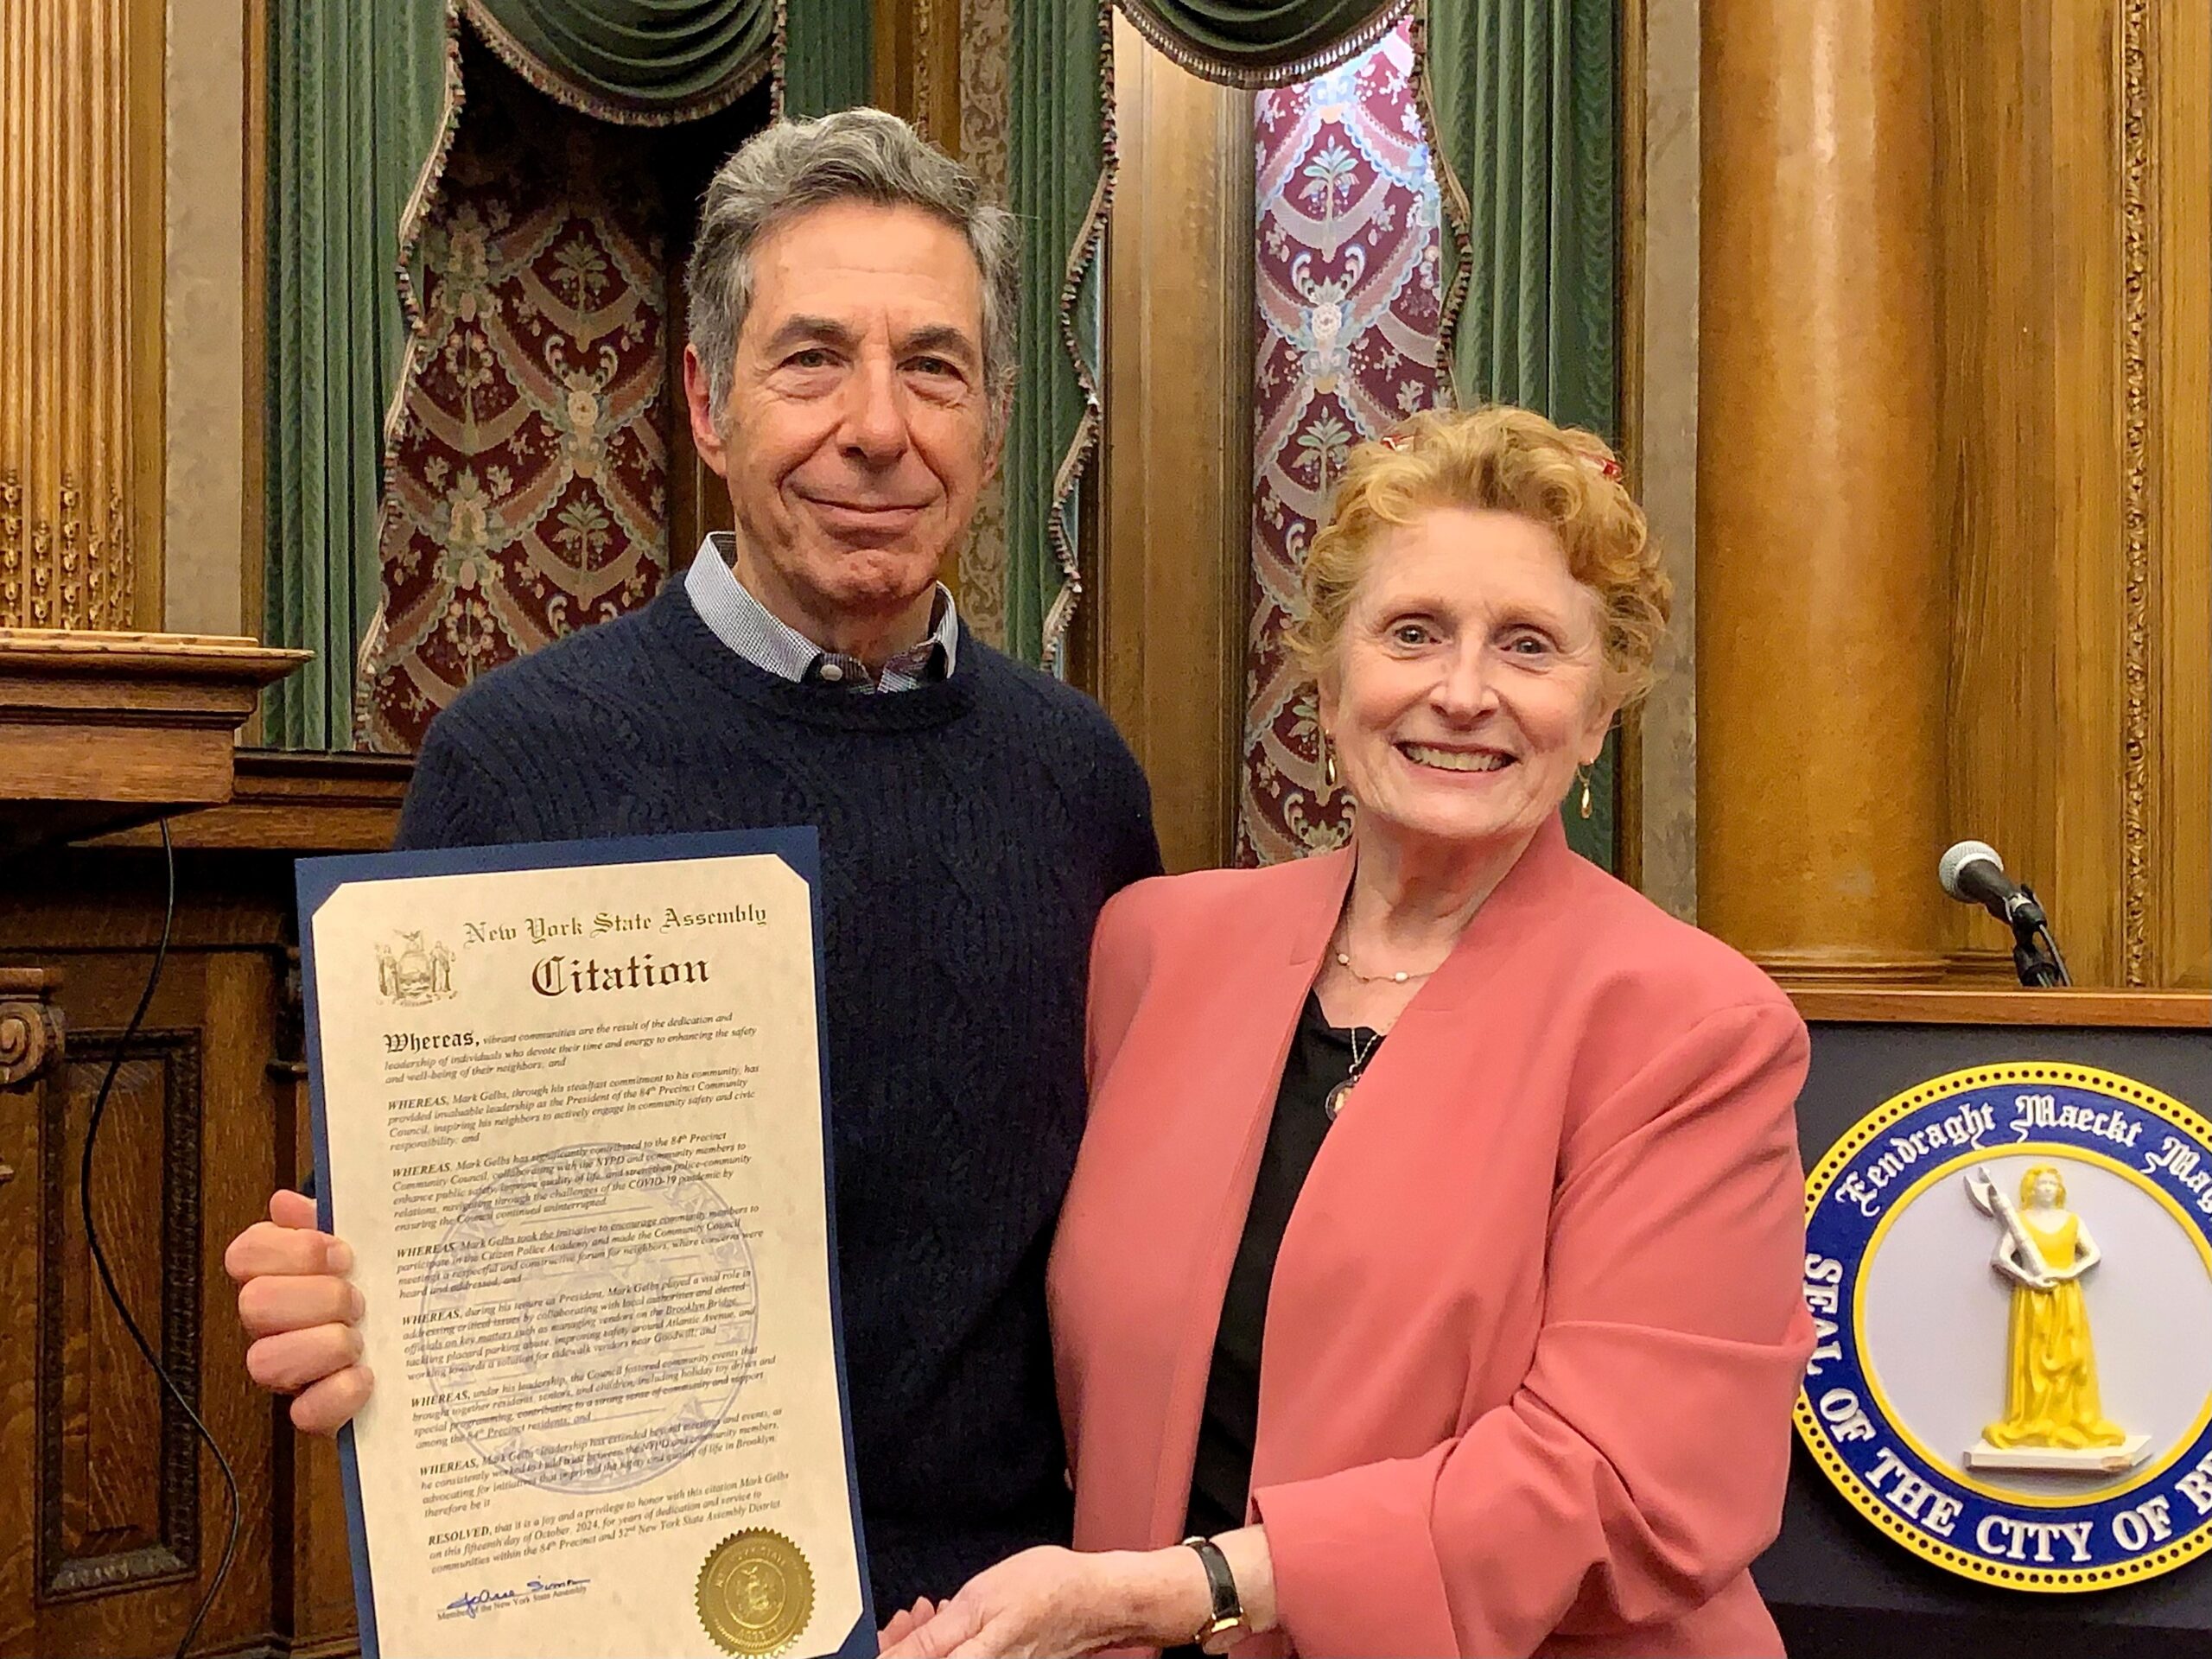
1321,1057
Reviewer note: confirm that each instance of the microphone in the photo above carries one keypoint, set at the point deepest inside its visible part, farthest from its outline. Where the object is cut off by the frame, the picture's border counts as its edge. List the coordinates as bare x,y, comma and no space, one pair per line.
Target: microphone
1972,872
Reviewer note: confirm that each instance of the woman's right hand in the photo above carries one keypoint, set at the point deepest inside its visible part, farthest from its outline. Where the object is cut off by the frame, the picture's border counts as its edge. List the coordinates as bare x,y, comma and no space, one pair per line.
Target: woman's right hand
303,1314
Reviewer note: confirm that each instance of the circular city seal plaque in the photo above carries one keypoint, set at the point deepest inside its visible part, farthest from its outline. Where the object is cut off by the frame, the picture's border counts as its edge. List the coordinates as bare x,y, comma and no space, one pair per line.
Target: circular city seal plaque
2009,1275
756,1592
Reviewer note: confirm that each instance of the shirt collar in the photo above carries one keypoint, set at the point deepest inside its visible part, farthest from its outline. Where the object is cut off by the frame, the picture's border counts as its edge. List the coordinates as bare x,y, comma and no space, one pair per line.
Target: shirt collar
772,644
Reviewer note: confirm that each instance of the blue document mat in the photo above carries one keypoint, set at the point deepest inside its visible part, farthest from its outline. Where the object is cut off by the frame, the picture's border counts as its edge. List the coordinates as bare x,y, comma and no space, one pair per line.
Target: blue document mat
317,879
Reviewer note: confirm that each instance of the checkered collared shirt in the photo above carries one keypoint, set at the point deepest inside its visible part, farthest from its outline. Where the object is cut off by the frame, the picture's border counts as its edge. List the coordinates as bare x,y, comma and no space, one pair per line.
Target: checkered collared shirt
769,643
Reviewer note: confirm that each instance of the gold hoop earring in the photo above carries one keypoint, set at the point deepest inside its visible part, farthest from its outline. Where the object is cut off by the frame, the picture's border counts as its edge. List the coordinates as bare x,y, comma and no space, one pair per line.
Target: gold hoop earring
1586,792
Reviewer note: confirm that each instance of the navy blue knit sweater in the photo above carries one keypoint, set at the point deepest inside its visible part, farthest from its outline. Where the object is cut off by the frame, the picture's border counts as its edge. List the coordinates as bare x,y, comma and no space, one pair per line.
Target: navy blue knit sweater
970,831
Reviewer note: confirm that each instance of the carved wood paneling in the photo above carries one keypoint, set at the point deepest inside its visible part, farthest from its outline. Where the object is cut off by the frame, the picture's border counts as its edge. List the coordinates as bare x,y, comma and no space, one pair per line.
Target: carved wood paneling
2072,179
985,47
80,274
916,72
2135,504
118,1475
198,1123
31,1025
21,1120
1161,643
2178,811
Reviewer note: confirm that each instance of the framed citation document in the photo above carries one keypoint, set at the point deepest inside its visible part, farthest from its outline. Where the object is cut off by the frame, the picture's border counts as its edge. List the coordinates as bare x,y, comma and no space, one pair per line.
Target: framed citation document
571,1112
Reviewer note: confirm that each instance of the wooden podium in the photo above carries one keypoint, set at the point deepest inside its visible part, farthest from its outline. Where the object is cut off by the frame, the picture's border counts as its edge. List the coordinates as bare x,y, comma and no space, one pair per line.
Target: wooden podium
1837,1585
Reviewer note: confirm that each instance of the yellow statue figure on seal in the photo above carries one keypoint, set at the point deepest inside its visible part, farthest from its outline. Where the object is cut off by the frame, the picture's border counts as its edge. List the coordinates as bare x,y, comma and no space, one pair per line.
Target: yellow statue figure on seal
2054,1418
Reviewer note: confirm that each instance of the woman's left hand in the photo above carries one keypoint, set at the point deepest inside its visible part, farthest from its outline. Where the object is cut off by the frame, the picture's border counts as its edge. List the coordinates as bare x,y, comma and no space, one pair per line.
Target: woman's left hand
1047,1602
903,1623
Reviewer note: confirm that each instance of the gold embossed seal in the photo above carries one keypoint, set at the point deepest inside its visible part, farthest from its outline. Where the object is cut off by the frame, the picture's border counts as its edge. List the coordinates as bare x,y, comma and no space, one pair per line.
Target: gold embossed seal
756,1592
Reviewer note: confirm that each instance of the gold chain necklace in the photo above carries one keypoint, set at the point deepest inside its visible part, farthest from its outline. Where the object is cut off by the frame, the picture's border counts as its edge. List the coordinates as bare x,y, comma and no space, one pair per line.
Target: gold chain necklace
1343,960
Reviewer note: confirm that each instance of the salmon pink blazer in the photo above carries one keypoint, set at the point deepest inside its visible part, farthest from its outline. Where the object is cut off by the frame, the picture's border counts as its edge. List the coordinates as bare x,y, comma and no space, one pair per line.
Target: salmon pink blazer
1537,1324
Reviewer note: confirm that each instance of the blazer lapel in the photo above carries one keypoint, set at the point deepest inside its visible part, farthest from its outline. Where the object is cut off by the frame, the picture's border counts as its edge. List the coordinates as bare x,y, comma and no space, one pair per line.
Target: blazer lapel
1269,976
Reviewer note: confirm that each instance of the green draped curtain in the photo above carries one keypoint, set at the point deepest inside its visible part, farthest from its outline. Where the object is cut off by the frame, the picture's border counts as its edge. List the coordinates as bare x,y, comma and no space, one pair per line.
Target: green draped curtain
1061,167
359,91
1262,42
364,98
828,55
644,61
1522,103
1058,174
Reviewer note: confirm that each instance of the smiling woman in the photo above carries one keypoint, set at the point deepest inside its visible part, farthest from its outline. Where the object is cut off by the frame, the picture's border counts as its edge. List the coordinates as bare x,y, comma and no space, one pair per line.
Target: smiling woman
1500,459
1482,602
1529,1331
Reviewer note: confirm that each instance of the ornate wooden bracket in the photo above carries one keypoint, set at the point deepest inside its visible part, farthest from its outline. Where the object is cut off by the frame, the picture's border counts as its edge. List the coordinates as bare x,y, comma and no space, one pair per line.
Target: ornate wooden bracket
30,1025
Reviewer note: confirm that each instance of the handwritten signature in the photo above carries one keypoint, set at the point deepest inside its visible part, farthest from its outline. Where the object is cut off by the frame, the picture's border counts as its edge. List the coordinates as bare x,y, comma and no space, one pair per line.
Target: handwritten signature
476,1601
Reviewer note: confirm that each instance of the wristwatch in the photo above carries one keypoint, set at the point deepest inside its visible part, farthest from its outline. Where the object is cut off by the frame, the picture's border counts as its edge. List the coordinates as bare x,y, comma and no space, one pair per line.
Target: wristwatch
1228,1625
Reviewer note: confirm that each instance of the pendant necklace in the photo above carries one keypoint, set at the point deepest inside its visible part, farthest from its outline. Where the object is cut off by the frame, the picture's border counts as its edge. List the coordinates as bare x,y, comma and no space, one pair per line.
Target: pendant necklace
1335,1101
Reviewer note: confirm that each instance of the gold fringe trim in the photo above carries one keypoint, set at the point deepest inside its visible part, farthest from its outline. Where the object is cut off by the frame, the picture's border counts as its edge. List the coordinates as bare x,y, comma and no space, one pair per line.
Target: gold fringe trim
420,202
1458,215
1251,79
424,196
616,112
780,54
1059,615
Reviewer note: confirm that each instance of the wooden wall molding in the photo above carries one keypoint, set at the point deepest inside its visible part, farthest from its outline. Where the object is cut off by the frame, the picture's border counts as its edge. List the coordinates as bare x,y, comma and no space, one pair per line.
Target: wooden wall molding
917,71
100,729
31,1025
2179,815
1160,641
2135,513
2073,185
93,1386
288,801
2062,1010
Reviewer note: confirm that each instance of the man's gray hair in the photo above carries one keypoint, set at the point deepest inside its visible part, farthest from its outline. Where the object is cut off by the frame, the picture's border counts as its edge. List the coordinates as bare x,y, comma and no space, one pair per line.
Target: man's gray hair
853,155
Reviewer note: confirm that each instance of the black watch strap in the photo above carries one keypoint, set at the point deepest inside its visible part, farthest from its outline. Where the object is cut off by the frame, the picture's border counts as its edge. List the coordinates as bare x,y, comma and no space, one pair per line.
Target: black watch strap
1228,1619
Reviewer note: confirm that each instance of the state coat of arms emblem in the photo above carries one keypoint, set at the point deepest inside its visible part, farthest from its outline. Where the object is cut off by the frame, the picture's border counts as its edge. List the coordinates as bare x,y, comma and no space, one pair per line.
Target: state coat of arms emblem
412,973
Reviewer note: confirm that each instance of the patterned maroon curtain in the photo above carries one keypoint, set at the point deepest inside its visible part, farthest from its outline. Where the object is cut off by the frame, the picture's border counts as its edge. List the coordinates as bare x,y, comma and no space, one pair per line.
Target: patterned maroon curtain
528,494
1347,316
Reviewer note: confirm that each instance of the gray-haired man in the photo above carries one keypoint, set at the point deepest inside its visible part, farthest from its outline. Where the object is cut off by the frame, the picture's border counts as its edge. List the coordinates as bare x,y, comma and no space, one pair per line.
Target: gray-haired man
852,317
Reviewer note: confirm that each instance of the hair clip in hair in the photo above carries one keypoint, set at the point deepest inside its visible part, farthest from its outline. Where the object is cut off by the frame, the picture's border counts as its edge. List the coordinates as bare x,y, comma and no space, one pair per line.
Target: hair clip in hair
1606,467
1394,440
